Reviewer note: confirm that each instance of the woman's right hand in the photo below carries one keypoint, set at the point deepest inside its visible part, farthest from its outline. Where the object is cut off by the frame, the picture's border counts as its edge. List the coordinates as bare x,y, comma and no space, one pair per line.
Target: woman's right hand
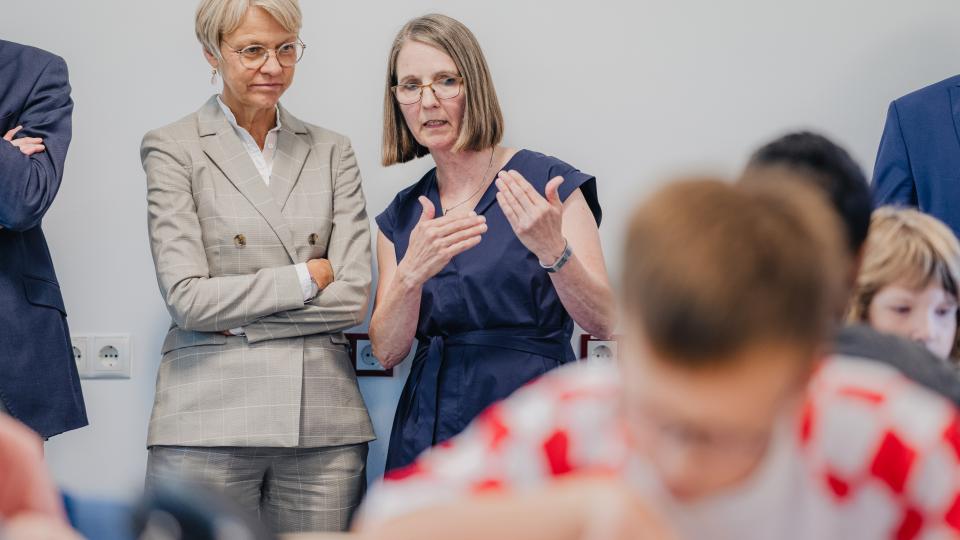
434,242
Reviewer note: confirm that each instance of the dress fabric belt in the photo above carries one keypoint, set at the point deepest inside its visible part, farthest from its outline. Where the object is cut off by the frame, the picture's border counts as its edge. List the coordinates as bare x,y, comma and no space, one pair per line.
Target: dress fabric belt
550,343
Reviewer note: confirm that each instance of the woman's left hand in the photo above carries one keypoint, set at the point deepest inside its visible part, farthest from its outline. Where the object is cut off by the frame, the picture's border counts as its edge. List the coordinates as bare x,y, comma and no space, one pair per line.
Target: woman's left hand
536,220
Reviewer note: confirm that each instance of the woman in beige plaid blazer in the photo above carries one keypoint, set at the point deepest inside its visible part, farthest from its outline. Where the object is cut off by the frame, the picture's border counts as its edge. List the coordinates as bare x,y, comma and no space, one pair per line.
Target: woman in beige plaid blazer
261,244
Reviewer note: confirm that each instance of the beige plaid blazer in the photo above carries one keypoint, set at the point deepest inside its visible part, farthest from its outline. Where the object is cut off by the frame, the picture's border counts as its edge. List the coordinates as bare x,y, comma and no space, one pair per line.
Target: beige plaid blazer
224,246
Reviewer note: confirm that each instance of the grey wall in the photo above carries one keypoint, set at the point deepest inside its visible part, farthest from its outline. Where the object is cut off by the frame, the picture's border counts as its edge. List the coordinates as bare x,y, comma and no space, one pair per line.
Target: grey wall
632,92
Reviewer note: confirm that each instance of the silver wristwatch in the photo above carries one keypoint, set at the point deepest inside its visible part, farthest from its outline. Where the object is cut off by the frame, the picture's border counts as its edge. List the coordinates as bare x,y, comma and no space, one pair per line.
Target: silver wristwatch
561,261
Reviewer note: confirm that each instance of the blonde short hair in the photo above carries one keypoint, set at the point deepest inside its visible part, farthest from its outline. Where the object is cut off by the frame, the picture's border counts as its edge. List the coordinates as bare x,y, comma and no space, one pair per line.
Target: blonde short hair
910,248
216,18
482,125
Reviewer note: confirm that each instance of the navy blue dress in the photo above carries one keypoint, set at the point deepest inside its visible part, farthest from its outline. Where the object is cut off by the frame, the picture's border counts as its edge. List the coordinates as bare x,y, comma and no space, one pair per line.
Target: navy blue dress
490,321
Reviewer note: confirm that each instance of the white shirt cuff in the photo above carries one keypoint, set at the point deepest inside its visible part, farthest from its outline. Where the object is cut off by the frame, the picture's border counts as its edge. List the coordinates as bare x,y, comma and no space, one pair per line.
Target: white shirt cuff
237,331
307,285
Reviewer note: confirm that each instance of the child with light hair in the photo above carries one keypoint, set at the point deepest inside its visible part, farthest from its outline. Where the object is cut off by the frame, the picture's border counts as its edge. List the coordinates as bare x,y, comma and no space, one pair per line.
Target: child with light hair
907,284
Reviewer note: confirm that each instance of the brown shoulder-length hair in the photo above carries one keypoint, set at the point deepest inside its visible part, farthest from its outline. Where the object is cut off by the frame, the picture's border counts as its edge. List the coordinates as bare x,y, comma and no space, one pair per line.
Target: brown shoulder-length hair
482,125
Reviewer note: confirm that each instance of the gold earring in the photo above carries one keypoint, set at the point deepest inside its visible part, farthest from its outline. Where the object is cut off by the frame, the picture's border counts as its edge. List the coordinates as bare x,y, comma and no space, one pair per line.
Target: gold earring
213,76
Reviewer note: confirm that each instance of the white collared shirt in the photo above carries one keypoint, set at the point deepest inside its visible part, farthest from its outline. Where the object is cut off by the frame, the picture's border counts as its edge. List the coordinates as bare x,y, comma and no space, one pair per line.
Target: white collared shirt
263,160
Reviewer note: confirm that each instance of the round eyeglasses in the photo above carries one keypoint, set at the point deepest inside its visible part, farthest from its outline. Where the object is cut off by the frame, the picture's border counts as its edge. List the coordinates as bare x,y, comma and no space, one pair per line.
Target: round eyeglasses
443,88
255,56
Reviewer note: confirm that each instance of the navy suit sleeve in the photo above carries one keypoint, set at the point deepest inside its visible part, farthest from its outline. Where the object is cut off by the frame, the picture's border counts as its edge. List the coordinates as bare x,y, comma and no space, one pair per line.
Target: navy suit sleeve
28,185
893,181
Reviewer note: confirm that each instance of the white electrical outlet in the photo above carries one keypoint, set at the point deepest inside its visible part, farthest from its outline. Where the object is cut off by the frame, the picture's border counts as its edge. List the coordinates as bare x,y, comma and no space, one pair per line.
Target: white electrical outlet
109,357
601,350
81,352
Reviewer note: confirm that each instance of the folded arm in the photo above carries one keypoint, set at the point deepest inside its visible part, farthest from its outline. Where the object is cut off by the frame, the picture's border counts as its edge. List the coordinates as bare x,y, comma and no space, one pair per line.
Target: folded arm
196,300
28,184
343,303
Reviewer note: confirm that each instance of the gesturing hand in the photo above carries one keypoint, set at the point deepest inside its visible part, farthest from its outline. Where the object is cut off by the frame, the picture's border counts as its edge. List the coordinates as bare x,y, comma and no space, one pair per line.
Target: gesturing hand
433,242
536,220
27,145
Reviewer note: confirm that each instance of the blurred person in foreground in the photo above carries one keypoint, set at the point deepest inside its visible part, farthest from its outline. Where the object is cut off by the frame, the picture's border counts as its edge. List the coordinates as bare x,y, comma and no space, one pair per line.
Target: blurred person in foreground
720,421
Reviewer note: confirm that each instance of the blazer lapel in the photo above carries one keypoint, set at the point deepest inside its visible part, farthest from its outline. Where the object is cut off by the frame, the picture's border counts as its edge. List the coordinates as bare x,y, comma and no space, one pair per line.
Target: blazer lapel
955,107
222,145
292,151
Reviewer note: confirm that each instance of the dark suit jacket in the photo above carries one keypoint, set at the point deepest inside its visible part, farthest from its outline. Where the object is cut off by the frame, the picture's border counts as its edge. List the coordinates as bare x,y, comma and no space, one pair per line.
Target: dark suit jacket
39,384
918,163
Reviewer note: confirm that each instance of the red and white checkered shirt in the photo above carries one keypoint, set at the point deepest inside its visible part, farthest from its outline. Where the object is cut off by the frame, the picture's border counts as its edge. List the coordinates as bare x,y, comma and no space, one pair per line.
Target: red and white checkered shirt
872,456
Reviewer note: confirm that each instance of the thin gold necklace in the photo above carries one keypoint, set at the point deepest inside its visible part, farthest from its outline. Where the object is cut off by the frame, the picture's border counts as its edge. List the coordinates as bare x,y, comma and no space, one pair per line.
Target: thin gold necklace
483,180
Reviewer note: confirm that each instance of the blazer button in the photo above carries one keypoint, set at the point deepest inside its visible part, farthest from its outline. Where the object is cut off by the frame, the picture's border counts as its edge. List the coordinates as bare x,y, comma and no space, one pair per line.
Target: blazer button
239,240
313,239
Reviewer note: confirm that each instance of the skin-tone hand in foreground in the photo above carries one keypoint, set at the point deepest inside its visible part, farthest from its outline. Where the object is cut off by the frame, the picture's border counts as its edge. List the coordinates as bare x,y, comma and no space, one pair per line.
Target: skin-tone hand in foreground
576,508
37,527
27,145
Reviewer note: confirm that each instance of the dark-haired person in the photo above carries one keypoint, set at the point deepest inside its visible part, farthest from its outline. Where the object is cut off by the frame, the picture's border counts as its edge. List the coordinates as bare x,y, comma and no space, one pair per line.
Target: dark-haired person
814,159
919,153
486,262
720,418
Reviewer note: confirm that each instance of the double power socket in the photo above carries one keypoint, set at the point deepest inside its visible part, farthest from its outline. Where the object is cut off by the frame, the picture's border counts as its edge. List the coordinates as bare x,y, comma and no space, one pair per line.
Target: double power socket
102,356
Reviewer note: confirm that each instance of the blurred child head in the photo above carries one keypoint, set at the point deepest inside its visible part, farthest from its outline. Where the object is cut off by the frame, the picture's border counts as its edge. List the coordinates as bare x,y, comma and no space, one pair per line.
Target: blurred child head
729,293
908,279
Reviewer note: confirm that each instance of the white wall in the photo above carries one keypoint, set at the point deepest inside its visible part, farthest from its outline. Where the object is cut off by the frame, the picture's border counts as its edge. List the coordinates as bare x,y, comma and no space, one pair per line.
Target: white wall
632,92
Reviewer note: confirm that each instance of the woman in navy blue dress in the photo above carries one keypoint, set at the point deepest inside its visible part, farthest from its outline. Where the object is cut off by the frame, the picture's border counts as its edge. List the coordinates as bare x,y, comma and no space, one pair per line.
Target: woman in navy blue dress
488,260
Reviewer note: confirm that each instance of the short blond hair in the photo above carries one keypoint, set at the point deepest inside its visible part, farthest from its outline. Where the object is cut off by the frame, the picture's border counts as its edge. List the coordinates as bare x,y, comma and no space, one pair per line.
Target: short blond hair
482,125
910,248
216,18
